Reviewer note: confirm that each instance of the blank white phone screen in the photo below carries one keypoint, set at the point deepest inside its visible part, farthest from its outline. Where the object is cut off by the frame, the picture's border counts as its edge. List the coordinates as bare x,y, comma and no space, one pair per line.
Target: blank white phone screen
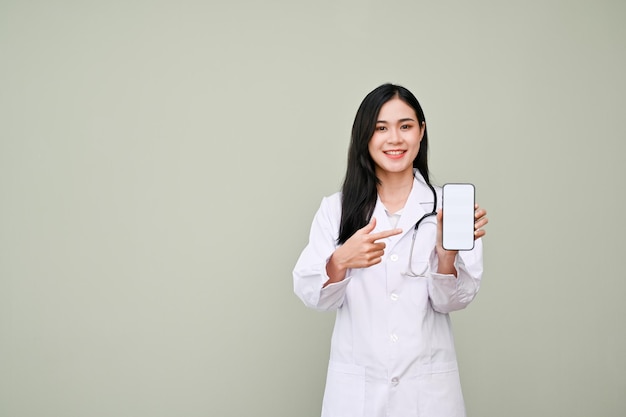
458,216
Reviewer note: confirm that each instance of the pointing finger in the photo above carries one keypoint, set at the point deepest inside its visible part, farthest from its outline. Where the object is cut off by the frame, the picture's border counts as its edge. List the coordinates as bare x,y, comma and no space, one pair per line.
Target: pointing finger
385,234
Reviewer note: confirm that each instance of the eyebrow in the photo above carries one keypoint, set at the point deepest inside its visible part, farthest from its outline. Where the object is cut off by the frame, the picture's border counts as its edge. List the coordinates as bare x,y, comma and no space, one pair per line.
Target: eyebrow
408,119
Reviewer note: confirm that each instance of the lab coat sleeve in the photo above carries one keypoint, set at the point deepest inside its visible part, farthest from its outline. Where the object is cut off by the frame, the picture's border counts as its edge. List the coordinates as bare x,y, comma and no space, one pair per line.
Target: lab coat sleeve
309,274
449,293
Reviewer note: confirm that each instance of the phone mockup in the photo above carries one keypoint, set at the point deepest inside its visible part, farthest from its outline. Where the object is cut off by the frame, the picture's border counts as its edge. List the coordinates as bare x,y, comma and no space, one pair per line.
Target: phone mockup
458,216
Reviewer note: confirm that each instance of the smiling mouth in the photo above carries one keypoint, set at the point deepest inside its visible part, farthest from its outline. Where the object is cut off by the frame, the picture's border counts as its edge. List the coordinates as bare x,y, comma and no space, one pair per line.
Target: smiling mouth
394,152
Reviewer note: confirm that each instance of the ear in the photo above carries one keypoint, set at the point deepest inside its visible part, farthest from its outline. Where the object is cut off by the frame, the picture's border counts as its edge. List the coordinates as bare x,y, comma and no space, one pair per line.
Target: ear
422,130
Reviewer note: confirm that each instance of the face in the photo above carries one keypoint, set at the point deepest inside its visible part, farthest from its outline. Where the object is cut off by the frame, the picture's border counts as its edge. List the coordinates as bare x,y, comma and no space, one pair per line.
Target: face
396,139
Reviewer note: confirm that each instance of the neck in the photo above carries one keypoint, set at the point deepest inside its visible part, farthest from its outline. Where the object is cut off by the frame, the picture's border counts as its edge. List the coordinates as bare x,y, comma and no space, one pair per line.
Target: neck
394,189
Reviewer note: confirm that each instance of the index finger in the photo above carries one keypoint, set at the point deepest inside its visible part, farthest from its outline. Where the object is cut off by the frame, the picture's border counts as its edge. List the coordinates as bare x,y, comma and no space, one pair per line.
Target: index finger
384,234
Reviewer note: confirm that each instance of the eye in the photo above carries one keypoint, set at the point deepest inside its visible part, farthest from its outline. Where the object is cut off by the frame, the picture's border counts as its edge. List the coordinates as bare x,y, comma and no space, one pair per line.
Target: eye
381,128
405,127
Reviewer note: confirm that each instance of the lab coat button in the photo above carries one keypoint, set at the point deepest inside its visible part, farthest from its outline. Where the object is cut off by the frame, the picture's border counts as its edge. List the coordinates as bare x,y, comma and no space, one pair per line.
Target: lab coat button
394,381
393,257
394,297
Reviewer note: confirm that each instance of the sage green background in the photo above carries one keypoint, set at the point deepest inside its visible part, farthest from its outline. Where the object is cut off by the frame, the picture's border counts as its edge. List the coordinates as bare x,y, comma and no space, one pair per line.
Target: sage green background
161,162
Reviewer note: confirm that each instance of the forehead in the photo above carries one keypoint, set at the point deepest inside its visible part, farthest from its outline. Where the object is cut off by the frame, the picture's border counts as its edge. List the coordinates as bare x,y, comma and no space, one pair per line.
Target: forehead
396,109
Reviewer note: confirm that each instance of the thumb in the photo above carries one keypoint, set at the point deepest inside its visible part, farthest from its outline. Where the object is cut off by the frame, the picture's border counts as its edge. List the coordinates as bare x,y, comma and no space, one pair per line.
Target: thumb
369,227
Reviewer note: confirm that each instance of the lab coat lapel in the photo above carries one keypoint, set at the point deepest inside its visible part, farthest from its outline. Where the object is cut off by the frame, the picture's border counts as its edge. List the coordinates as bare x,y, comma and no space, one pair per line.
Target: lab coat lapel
412,212
380,214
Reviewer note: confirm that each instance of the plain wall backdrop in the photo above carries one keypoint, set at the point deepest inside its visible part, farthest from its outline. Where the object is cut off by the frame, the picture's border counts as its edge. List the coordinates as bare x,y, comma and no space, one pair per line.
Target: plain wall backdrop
161,162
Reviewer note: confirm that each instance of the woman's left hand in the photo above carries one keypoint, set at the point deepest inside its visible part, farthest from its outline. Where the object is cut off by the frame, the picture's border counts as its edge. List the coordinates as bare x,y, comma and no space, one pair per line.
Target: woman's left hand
446,257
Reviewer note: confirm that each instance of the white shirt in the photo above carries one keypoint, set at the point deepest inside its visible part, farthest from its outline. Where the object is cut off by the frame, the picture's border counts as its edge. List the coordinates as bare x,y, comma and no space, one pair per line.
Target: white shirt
393,218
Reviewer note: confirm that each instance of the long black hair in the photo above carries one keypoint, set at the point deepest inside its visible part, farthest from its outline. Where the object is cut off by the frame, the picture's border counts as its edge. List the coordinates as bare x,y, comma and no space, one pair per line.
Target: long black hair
359,187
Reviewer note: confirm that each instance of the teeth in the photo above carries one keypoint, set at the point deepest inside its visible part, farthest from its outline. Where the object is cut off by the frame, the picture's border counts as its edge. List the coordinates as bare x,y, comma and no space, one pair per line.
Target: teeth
394,152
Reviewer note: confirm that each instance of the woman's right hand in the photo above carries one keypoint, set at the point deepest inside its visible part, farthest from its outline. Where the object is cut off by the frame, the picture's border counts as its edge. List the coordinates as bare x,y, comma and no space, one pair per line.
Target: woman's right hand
361,250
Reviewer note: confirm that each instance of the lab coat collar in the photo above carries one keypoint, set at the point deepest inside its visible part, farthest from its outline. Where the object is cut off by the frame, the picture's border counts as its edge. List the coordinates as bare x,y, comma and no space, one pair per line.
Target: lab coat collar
411,213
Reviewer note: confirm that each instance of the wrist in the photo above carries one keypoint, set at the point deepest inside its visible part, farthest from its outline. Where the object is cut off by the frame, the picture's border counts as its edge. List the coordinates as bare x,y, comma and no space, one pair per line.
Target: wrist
445,264
335,271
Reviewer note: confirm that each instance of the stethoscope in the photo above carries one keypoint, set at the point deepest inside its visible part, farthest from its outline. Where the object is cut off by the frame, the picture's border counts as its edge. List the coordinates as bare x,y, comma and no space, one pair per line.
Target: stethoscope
410,271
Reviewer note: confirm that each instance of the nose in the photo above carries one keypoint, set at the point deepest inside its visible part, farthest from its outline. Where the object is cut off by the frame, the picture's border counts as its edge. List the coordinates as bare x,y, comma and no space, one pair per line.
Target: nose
394,136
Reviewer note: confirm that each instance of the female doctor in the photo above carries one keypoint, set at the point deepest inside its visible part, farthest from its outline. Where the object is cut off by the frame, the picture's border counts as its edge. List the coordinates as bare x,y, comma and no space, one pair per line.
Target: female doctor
375,256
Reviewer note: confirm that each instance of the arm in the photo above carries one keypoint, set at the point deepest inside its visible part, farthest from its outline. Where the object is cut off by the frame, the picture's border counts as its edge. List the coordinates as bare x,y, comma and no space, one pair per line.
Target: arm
458,276
311,281
448,292
322,272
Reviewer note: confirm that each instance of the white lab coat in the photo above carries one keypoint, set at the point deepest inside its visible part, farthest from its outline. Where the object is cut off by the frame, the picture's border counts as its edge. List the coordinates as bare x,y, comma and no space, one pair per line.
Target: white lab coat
392,351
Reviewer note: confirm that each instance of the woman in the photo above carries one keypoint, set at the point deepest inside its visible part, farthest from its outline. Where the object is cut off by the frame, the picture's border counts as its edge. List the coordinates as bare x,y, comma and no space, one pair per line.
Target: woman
392,351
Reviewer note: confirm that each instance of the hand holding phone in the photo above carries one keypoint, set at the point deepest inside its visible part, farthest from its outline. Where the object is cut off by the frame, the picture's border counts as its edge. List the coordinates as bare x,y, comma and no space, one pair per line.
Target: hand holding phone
458,216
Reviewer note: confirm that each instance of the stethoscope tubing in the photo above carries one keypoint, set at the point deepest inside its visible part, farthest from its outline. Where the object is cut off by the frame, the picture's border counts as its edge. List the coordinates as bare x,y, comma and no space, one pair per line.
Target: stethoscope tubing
410,271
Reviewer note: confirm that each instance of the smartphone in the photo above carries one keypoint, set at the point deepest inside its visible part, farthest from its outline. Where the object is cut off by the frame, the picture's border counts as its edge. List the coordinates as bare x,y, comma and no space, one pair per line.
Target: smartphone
458,216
